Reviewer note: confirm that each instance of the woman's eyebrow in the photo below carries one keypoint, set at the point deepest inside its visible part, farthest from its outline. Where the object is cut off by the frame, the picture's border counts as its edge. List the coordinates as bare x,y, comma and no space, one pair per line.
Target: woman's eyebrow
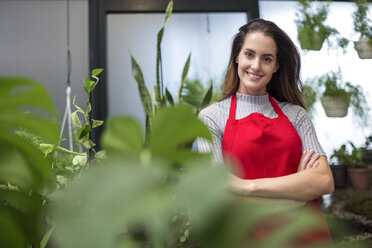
249,50
253,51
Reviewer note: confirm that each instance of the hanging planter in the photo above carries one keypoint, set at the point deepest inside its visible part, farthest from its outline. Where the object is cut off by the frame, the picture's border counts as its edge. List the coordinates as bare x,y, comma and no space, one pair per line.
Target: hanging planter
338,96
311,28
335,106
362,26
310,40
364,49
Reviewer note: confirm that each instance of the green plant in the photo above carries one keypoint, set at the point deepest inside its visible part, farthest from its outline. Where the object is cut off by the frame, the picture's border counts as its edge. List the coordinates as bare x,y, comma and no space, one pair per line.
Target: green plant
312,30
192,93
195,94
368,143
361,205
26,177
311,95
160,96
348,154
66,163
332,85
361,23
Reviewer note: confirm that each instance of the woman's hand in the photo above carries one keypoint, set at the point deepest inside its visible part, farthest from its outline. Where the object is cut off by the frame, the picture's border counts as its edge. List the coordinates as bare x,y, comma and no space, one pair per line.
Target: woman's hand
308,161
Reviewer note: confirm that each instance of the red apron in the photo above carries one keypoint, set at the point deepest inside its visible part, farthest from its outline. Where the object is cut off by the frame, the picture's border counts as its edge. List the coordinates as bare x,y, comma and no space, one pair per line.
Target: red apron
261,147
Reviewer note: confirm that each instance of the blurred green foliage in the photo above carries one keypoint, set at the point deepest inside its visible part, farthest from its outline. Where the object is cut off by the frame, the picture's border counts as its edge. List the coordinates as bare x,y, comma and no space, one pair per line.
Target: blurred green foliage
195,94
25,175
361,205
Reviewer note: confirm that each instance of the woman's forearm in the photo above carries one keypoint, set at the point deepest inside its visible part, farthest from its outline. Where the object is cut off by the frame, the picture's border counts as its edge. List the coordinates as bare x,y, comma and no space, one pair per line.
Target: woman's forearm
304,185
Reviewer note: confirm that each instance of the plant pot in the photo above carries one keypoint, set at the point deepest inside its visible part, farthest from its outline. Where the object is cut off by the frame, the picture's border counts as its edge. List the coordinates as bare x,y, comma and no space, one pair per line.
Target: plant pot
310,39
339,175
360,177
364,49
335,106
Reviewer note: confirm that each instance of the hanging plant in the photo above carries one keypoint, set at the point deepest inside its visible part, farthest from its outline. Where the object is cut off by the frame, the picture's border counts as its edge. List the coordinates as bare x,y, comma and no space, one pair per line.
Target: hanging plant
362,26
312,30
338,95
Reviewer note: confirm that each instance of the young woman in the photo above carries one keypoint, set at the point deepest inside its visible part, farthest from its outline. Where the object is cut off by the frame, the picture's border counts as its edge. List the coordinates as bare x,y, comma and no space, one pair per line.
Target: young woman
260,125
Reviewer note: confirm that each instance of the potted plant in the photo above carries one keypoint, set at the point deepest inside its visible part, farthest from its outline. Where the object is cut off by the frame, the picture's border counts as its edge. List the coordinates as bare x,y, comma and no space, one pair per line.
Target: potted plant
338,168
363,26
311,27
350,157
338,95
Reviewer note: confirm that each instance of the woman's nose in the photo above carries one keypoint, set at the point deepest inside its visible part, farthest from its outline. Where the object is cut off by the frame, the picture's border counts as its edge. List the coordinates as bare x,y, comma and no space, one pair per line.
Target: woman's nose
256,64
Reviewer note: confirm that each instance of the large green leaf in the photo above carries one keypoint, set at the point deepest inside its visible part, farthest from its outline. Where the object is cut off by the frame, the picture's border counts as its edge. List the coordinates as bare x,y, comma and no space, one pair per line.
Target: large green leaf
172,127
22,166
143,90
123,135
18,95
20,215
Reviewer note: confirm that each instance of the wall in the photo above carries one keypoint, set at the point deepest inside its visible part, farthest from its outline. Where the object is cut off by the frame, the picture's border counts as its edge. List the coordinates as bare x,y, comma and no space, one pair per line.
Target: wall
33,43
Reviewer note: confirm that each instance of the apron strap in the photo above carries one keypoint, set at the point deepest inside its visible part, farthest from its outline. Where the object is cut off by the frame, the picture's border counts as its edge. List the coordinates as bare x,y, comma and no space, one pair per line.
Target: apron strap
276,107
232,107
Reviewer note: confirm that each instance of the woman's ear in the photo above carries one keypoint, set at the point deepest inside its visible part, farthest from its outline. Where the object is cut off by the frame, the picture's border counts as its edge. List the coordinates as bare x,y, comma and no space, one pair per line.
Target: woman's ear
276,67
236,60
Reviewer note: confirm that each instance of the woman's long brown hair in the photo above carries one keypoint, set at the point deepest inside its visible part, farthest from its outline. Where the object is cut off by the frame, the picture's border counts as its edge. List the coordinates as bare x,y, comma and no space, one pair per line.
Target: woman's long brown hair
285,84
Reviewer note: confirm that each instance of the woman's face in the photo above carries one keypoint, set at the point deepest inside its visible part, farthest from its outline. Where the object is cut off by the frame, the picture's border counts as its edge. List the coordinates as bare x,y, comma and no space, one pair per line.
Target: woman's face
257,62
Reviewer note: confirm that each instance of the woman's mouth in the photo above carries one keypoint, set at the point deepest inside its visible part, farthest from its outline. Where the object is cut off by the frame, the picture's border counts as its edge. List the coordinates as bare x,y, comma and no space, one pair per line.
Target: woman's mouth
254,76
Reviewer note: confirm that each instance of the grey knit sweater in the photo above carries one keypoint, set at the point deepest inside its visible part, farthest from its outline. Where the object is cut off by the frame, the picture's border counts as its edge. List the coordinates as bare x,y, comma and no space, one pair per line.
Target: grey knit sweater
216,115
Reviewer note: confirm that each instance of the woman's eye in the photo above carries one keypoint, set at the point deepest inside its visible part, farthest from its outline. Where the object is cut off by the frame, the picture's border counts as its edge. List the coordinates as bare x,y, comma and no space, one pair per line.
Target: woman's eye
249,55
267,60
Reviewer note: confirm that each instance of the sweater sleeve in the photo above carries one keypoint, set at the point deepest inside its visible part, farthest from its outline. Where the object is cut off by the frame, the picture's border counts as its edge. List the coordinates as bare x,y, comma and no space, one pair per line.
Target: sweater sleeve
306,130
205,146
